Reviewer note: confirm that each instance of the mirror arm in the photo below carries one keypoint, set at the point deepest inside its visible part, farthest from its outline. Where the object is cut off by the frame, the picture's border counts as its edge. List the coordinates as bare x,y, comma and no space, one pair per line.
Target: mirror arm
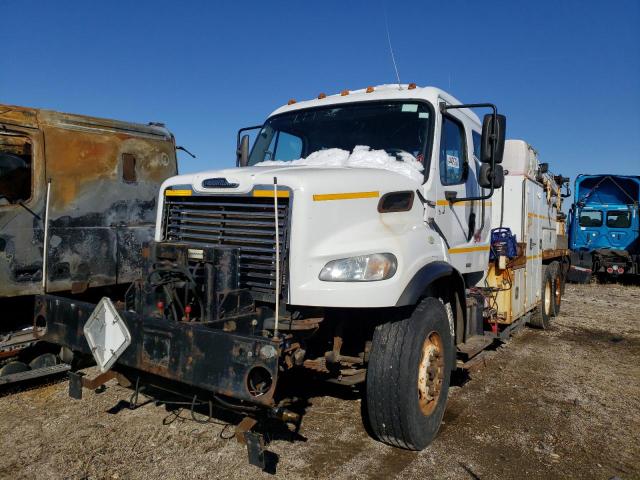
245,129
180,147
443,108
468,199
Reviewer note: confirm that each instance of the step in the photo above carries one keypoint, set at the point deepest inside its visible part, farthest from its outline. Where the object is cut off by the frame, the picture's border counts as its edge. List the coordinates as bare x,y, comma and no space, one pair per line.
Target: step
37,373
474,345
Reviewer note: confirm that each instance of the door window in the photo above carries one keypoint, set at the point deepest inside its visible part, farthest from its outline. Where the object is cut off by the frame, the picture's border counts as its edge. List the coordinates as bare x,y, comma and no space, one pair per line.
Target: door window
15,169
453,159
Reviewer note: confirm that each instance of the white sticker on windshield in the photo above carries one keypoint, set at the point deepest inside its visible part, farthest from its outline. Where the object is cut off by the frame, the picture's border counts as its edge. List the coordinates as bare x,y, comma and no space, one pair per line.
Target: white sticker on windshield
423,115
452,161
409,107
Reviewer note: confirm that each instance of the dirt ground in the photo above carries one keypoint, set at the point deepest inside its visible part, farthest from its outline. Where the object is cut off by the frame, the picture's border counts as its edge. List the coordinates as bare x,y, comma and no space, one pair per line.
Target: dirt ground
562,403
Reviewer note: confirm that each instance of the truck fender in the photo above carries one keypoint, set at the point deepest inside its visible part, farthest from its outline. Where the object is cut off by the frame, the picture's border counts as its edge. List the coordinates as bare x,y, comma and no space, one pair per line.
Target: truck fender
432,275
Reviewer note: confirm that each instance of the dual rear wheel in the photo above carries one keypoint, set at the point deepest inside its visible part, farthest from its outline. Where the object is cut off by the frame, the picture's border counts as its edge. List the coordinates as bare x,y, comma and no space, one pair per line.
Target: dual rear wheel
551,296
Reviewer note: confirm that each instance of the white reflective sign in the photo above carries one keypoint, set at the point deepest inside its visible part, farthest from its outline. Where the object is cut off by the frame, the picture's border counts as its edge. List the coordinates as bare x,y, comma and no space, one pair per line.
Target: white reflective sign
106,334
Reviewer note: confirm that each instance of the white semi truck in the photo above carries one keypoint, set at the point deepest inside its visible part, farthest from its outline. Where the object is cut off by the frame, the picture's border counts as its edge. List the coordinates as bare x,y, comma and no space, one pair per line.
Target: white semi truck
351,244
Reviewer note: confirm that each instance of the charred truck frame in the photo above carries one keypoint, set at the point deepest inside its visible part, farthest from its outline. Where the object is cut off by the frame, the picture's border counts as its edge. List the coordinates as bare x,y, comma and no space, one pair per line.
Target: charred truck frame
77,208
355,274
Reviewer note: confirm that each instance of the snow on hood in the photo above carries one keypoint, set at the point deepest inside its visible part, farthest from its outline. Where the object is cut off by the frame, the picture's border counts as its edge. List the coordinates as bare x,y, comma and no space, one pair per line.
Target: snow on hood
361,157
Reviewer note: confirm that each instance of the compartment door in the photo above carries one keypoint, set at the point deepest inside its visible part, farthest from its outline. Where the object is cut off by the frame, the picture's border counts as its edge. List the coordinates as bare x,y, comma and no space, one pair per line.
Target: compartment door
533,239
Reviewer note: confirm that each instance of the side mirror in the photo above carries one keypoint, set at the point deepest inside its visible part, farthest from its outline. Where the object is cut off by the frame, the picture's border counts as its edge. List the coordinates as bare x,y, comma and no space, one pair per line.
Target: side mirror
493,136
242,153
491,176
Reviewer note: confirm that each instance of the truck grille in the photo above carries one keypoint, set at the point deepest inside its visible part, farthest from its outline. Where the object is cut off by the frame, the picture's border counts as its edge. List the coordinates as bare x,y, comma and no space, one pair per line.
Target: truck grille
244,222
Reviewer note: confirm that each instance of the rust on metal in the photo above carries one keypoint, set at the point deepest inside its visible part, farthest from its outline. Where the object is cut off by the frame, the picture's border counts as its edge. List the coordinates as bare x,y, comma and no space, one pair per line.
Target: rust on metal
101,379
104,177
245,425
101,178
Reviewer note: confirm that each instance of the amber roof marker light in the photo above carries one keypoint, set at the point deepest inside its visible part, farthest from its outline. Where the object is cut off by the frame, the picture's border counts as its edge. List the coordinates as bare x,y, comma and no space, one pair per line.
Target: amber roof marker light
291,102
370,89
411,86
344,93
321,96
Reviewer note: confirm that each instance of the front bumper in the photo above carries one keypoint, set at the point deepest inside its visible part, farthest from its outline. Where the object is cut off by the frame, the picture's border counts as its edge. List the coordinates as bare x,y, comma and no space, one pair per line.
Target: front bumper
188,353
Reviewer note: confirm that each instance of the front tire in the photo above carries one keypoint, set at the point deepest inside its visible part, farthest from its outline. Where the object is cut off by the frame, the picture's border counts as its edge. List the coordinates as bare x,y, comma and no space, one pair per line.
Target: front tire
408,377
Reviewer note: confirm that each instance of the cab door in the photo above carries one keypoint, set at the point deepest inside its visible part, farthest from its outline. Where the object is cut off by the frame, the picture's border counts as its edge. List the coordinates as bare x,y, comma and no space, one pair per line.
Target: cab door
22,201
453,171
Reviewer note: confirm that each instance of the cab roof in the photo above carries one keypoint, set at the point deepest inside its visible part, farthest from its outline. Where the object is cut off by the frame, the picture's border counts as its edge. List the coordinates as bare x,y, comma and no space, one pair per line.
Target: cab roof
380,92
34,117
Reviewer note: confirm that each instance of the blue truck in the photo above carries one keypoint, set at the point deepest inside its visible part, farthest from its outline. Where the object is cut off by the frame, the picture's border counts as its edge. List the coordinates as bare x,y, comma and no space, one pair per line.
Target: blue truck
604,228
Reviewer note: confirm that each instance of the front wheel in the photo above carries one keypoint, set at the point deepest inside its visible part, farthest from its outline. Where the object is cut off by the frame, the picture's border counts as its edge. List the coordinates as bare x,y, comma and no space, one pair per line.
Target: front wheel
408,377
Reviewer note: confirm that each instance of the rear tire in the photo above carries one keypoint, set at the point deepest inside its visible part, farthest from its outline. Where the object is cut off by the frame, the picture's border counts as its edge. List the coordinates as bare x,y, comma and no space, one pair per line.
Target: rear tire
558,286
541,316
408,377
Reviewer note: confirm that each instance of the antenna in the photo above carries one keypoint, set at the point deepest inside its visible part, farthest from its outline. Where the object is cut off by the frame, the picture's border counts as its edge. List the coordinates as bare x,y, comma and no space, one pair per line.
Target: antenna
393,58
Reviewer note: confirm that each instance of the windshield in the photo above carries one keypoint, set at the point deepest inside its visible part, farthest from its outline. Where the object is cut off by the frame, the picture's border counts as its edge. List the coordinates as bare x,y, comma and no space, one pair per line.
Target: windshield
393,126
619,219
590,218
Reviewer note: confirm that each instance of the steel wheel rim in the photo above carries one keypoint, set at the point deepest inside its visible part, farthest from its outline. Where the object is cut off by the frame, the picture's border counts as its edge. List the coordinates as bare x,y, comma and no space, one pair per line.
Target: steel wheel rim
430,373
547,297
558,290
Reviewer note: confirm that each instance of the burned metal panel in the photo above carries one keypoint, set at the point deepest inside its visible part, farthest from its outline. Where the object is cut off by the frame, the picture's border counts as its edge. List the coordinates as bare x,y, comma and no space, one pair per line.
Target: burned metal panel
21,226
188,353
19,116
101,217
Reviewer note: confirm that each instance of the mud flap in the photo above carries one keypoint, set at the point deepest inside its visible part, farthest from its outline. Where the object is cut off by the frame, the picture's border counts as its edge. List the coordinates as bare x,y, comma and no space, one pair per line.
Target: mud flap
255,449
75,385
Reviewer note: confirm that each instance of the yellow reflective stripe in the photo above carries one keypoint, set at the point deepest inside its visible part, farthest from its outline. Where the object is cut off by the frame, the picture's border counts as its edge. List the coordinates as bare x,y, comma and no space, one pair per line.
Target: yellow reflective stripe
178,193
481,248
271,193
533,257
445,203
535,215
344,196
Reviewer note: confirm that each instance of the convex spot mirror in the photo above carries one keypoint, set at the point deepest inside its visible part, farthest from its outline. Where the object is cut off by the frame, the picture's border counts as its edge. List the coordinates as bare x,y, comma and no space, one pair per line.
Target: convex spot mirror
489,132
491,176
242,153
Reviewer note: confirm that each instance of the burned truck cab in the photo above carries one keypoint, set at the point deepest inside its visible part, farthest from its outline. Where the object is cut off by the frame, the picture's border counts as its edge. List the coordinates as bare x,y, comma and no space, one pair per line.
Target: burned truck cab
78,198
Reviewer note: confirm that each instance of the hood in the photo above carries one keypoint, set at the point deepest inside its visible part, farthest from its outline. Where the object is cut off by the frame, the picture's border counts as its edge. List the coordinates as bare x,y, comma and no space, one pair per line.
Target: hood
297,178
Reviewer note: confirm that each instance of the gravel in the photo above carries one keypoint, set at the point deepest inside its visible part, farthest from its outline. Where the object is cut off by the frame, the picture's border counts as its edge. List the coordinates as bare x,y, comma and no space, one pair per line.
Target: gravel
561,403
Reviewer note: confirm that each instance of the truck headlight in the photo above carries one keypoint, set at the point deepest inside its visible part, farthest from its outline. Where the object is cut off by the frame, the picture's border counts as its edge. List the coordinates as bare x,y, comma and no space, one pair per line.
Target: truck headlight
363,268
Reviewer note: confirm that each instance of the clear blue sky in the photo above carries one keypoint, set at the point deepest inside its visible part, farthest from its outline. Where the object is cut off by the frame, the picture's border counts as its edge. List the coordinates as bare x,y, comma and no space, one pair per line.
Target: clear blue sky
566,73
